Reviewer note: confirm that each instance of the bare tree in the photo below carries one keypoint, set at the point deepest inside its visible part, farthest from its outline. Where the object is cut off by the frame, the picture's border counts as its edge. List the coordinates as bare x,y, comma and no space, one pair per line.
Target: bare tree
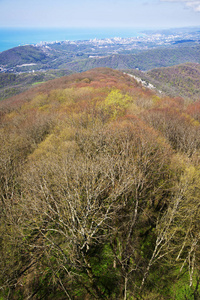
96,192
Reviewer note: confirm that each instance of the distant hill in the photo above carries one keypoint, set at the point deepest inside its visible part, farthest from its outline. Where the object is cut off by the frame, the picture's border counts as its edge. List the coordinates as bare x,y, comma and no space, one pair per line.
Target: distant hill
13,84
80,59
181,80
144,60
23,55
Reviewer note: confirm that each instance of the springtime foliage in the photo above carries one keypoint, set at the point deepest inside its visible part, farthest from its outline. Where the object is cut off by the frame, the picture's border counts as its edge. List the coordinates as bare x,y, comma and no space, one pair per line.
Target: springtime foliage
13,84
99,191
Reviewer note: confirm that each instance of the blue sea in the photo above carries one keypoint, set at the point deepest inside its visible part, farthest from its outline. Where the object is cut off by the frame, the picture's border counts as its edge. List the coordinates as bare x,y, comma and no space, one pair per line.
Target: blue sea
13,37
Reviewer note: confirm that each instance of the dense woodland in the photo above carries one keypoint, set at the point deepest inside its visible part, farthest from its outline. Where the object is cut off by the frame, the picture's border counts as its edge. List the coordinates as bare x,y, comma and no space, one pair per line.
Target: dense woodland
99,191
144,60
182,80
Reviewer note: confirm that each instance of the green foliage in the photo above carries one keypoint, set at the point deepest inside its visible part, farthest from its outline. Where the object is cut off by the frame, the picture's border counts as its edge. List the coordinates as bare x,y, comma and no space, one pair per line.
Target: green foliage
13,84
184,292
144,60
116,104
22,55
181,80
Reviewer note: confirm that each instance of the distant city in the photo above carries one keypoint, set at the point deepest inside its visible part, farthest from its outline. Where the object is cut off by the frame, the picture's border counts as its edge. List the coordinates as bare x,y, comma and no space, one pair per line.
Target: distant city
62,54
145,41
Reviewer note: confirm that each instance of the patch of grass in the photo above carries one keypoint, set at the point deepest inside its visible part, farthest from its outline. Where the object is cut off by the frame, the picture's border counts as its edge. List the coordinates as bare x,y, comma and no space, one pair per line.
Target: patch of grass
39,82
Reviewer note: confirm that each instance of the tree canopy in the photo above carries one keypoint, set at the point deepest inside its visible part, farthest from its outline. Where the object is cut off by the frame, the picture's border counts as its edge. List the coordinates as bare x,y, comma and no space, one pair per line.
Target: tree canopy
99,191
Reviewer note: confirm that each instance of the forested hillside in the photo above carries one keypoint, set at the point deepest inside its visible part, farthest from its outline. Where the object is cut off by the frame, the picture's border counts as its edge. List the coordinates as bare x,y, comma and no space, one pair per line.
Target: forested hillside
99,191
13,84
80,58
144,60
22,55
181,80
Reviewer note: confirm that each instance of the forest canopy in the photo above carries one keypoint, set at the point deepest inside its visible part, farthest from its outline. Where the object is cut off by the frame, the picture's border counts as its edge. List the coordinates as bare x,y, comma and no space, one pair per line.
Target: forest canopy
99,191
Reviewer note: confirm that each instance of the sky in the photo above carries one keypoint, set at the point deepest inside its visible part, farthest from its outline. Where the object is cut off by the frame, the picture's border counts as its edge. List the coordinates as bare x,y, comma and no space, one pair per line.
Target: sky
99,13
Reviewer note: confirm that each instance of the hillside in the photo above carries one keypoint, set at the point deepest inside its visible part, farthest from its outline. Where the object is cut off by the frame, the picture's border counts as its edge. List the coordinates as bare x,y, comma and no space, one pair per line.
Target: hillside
180,80
99,191
13,84
22,55
144,60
